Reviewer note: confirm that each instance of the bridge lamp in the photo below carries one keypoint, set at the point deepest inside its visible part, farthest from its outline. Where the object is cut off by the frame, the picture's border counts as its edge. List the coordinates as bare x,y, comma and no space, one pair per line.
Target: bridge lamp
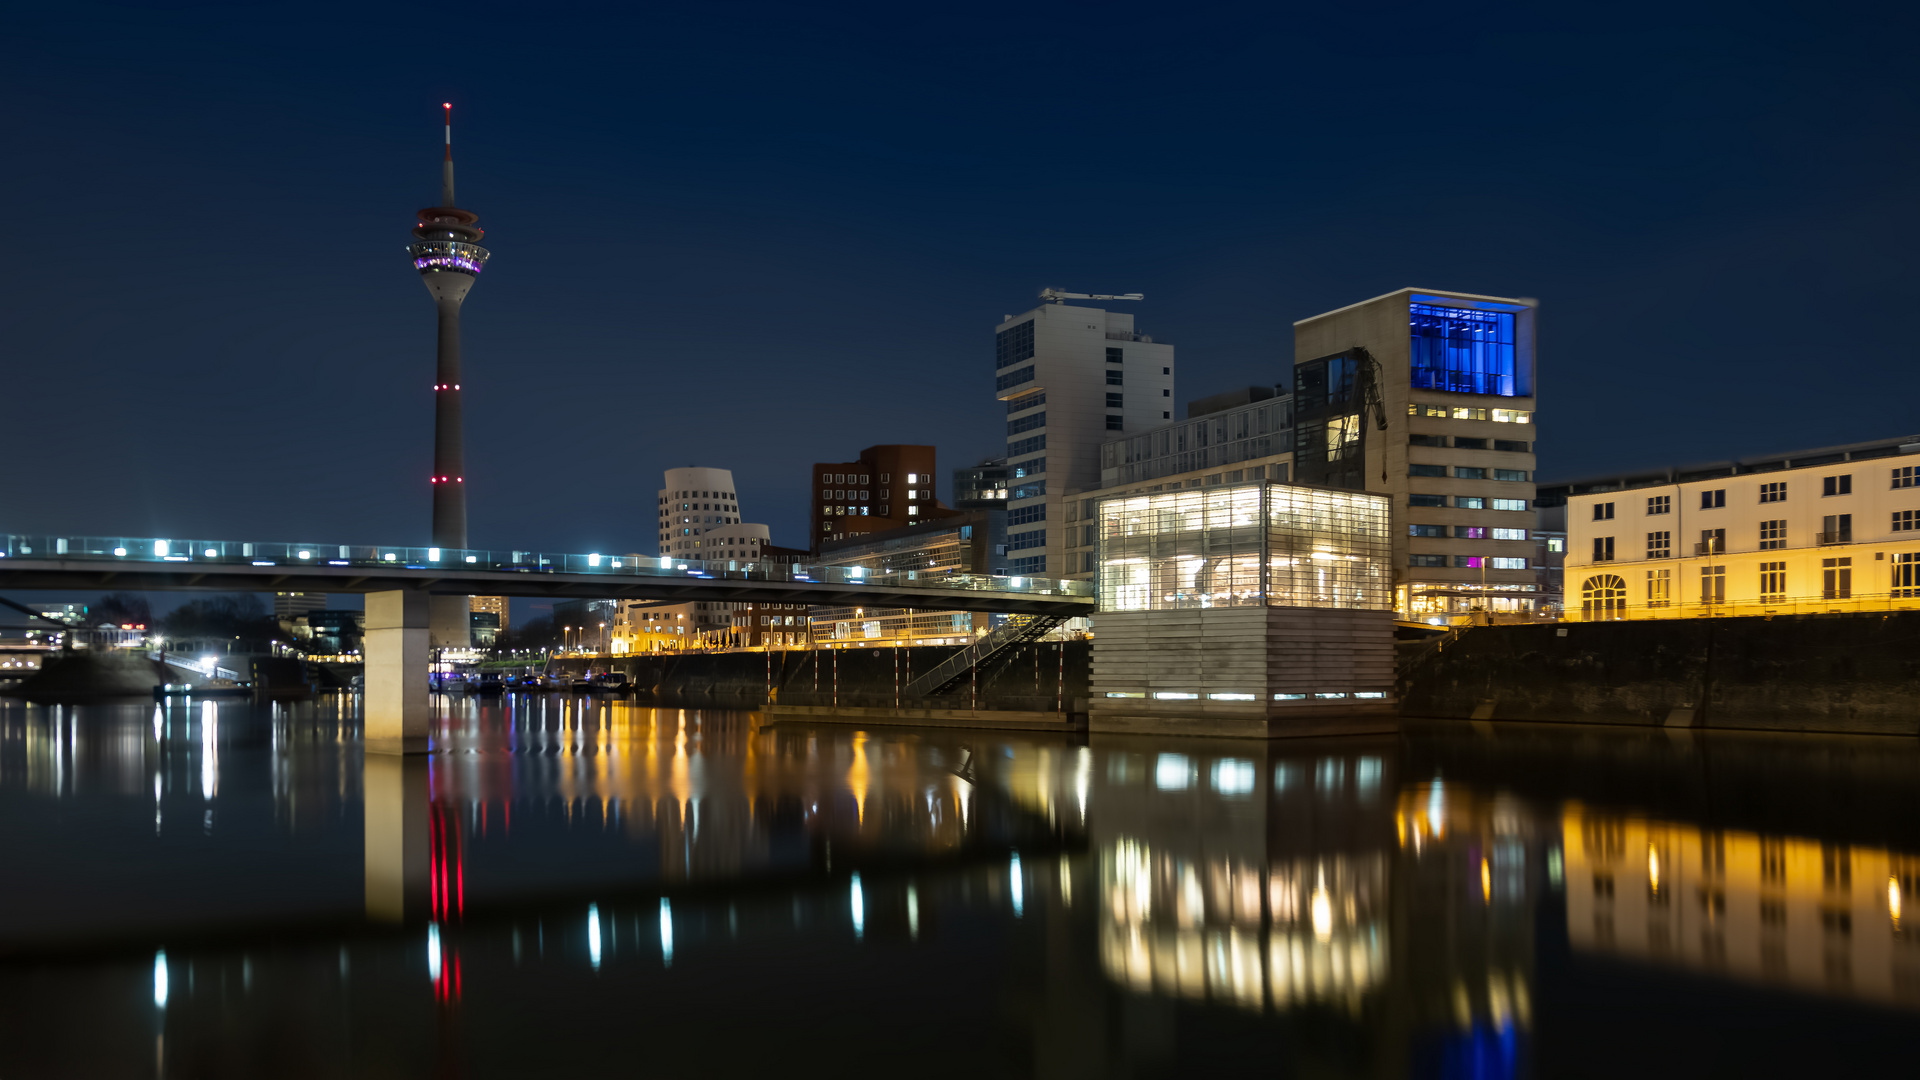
121,552
160,548
306,554
388,557
212,554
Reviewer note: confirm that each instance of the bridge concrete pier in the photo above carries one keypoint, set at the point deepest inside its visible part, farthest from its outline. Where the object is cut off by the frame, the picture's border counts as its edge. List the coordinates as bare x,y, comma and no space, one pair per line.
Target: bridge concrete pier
395,792
398,647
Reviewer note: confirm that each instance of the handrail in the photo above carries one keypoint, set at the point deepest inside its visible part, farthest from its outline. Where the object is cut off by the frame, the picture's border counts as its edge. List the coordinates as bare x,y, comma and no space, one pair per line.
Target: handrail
1010,632
242,553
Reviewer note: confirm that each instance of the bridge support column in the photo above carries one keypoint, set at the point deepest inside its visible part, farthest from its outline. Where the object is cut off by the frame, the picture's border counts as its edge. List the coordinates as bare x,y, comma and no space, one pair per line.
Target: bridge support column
396,672
395,793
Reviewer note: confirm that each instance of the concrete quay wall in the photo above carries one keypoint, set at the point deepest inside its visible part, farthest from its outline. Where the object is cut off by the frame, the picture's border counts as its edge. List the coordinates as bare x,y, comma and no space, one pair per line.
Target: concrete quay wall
1828,673
1045,678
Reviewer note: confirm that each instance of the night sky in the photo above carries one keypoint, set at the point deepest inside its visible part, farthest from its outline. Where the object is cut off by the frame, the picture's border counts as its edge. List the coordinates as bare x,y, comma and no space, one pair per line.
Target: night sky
755,236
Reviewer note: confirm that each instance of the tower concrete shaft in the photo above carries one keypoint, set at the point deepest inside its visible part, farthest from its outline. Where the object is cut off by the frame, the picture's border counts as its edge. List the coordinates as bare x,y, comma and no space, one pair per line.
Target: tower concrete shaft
448,256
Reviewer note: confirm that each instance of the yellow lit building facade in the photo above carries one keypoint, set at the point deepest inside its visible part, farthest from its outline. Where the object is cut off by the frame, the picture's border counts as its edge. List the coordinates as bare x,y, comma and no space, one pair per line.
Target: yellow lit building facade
1829,530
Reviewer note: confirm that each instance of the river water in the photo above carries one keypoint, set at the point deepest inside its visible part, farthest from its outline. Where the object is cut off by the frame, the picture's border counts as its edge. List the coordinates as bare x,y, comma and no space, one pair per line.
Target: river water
573,887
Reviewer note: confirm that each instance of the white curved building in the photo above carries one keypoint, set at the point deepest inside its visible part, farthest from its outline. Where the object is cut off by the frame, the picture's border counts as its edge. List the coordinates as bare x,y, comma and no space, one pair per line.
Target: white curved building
699,516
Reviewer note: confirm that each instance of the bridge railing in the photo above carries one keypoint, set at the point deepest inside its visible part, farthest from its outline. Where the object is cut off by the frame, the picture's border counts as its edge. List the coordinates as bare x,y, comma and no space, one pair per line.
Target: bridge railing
217,553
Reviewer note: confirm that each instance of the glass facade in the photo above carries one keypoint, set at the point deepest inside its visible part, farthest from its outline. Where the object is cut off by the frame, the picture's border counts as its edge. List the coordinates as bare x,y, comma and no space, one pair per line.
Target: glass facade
1248,545
1465,351
1012,345
1247,433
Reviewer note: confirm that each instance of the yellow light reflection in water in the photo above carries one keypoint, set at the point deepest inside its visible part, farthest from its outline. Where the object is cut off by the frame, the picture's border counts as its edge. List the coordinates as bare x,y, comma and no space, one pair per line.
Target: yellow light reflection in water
1779,909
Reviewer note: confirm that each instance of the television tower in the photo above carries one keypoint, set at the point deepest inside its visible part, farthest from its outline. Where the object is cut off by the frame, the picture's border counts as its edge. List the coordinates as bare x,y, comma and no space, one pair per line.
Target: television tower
447,254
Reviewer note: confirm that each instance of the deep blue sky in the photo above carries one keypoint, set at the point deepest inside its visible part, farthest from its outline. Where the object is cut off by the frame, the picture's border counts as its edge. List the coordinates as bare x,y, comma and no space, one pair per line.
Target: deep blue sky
754,236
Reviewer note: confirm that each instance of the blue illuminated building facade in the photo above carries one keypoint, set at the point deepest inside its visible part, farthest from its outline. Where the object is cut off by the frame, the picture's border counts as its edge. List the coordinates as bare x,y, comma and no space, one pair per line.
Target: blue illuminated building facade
1464,351
1455,379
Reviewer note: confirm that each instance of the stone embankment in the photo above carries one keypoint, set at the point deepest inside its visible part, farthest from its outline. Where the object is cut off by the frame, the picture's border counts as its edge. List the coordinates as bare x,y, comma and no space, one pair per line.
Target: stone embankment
1829,673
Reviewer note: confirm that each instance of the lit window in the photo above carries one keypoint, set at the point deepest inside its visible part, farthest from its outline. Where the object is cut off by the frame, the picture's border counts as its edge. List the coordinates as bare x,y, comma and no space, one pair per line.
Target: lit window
1776,492
1660,545
1773,534
1773,582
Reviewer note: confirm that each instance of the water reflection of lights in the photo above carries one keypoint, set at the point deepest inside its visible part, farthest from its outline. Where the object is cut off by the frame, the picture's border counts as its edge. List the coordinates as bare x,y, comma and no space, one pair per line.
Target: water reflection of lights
1017,887
1778,909
593,935
160,978
209,750
857,902
1227,929
666,932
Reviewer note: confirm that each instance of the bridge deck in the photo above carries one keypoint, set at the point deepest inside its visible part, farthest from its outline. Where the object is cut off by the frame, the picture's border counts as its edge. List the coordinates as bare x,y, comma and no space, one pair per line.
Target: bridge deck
86,563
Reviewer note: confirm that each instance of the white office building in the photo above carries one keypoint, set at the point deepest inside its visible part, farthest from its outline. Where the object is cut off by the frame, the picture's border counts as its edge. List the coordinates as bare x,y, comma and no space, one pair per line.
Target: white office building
1071,379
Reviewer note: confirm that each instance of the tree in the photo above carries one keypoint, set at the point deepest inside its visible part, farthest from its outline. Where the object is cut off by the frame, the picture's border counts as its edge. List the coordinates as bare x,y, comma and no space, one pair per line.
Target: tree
225,616
121,609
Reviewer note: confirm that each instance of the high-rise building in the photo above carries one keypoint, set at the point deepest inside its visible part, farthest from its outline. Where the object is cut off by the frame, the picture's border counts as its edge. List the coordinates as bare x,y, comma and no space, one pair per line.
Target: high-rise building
492,605
292,605
1071,378
889,487
447,254
982,487
1455,380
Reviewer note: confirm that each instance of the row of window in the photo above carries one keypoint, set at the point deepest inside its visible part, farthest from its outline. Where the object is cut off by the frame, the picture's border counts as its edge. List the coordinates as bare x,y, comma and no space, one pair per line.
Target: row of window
1834,529
1474,562
1461,442
1023,541
1028,423
1032,564
861,478
1029,467
1605,595
1027,445
1468,472
1466,532
1031,401
696,495
1466,502
1013,378
1771,492
1453,412
1027,515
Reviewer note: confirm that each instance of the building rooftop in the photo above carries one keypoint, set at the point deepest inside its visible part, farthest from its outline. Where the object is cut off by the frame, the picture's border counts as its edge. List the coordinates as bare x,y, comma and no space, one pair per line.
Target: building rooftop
1502,303
1246,395
1555,493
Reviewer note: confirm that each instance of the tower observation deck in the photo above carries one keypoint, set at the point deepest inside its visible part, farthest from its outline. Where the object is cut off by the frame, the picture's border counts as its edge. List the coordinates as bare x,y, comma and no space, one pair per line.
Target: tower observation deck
447,253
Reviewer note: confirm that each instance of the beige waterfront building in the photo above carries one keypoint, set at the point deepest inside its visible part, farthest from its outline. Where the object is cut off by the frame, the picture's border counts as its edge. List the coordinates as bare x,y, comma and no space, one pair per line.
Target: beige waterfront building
1831,529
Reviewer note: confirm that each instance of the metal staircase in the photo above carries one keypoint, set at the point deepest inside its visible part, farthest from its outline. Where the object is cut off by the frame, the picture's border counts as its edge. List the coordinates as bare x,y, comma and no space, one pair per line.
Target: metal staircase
982,654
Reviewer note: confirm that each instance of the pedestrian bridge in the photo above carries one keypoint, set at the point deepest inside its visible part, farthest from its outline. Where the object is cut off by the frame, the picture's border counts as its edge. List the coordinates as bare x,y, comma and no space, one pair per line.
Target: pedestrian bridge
404,587
158,563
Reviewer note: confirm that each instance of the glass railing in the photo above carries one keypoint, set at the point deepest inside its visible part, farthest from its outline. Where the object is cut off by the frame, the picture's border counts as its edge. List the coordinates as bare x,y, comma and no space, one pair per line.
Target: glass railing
146,549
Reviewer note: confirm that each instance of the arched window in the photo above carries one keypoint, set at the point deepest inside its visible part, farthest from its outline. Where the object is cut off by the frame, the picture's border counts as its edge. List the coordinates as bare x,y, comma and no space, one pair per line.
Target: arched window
1604,596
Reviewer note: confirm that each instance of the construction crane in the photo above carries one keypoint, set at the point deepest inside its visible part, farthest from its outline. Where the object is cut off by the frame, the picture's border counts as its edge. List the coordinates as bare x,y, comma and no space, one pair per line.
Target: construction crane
1366,382
1059,297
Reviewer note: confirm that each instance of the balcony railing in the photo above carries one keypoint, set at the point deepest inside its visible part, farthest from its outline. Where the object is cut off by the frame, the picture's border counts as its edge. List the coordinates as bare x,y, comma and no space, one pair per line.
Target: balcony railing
1694,608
